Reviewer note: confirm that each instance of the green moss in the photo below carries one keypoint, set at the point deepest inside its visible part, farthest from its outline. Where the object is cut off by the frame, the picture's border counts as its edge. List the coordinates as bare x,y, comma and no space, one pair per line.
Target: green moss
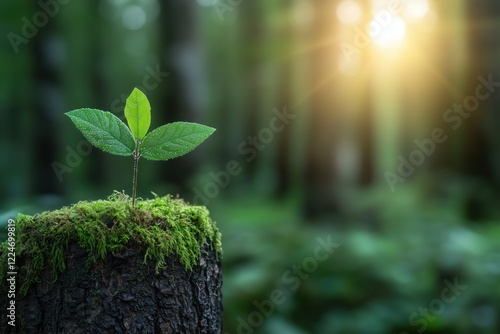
162,226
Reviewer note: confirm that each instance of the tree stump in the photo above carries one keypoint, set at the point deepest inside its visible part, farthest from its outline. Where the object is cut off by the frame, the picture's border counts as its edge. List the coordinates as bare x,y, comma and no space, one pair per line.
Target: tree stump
107,269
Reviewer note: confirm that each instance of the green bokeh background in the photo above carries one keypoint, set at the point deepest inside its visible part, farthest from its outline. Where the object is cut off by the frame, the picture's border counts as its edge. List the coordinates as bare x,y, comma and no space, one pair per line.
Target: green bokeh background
275,185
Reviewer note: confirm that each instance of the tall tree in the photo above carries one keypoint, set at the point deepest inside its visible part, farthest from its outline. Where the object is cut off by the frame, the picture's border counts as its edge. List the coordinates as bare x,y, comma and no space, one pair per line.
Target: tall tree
480,134
46,84
483,46
16,102
320,195
181,58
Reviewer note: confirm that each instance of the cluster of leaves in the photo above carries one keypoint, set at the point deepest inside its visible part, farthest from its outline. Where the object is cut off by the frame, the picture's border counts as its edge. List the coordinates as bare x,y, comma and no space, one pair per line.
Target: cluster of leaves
108,133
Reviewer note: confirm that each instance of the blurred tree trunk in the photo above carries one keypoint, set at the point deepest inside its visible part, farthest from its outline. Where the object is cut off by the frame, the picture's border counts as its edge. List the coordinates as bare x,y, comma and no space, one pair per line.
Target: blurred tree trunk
252,63
367,149
48,95
320,196
283,162
481,140
74,50
17,127
180,57
99,173
283,158
366,119
483,46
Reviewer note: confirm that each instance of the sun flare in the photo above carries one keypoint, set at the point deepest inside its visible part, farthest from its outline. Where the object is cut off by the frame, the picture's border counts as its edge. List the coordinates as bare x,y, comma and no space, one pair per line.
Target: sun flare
349,12
388,35
417,9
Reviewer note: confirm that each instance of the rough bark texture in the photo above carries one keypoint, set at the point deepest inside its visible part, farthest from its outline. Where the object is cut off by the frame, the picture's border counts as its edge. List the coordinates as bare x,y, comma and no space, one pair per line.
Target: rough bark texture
122,294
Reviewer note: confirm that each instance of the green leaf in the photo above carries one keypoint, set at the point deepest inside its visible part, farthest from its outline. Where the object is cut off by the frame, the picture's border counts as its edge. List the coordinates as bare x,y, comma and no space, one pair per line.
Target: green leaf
138,113
173,140
104,130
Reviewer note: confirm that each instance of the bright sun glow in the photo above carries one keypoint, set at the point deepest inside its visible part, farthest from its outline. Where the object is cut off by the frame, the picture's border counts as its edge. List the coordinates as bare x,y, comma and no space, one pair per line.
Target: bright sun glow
417,9
349,12
388,34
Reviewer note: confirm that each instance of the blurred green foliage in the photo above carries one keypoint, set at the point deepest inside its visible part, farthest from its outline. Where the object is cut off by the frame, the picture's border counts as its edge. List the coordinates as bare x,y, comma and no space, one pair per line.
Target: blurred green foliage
390,266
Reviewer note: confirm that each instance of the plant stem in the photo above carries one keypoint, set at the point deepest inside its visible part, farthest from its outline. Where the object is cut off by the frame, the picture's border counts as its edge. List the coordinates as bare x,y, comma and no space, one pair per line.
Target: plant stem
137,155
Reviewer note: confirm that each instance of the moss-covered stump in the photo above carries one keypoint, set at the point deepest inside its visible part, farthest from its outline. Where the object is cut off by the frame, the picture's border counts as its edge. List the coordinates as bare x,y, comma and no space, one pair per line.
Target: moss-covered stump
105,267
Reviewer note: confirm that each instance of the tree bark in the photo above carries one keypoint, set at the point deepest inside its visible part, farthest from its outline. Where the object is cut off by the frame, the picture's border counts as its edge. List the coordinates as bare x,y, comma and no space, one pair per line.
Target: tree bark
122,294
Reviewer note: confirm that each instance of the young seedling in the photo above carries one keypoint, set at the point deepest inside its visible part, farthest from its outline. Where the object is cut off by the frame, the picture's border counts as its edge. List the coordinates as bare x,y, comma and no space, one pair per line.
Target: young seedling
108,133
